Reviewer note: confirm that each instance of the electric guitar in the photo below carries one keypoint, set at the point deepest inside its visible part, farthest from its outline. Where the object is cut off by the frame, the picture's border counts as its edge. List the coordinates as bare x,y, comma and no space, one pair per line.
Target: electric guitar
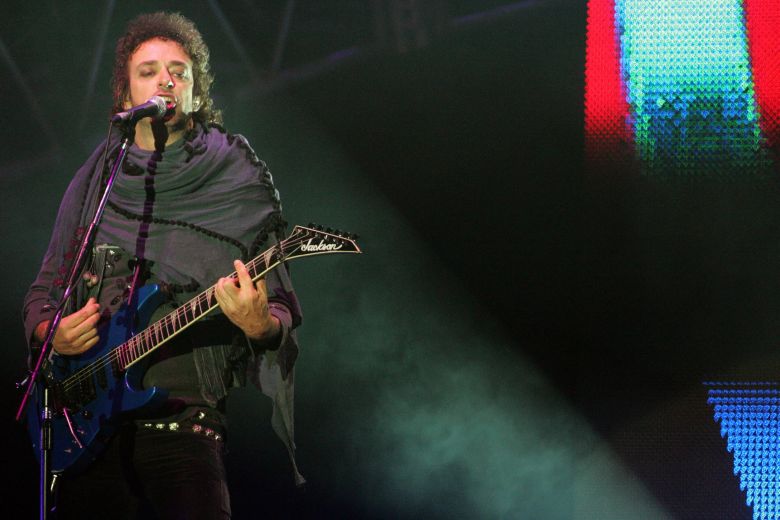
92,390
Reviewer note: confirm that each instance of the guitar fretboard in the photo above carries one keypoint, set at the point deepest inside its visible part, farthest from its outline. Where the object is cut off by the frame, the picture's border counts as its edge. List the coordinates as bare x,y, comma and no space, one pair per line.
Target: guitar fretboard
185,315
299,244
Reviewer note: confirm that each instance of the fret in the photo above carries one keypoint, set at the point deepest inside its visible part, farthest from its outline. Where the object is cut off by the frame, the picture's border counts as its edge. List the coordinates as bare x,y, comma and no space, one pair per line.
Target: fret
131,347
186,313
134,350
169,328
128,350
150,335
158,332
143,342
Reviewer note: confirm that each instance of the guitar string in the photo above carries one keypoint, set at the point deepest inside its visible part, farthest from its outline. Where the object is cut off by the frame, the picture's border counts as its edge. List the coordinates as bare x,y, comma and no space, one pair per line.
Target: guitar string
139,345
129,350
130,347
143,343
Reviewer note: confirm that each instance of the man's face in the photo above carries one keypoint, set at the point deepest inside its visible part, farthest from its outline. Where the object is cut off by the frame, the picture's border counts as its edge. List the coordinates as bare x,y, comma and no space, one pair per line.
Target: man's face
161,68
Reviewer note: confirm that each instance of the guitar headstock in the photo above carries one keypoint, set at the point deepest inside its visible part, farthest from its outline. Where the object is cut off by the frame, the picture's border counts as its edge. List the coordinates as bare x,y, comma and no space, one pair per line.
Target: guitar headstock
316,240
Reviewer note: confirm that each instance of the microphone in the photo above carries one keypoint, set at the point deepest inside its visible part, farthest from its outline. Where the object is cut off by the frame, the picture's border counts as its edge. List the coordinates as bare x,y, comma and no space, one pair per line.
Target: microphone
155,107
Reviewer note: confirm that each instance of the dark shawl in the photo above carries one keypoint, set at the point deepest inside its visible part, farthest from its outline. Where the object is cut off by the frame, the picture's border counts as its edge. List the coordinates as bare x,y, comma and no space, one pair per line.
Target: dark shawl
190,211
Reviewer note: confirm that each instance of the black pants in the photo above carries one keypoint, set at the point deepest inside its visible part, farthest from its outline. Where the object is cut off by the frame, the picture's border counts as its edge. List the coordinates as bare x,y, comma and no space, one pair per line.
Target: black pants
150,474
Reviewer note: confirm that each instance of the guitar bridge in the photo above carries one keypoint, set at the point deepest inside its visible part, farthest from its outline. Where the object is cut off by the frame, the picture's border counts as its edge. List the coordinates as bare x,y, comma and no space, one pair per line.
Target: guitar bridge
73,394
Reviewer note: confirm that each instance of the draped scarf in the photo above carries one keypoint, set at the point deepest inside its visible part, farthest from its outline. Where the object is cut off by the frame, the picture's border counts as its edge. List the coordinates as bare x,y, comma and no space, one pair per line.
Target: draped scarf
204,201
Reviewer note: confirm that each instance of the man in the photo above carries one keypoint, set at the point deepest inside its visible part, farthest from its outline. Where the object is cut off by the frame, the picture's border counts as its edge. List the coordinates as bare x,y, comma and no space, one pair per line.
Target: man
189,200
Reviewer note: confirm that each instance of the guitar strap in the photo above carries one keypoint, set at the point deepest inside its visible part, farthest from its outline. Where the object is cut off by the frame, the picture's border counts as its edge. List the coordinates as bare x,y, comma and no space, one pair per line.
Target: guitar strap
137,264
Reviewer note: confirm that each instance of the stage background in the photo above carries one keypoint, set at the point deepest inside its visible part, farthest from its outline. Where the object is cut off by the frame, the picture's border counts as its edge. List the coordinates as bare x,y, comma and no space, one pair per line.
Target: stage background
527,333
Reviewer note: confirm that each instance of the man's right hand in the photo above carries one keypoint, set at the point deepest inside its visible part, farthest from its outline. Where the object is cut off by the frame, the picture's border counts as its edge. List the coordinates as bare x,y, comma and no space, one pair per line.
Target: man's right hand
77,332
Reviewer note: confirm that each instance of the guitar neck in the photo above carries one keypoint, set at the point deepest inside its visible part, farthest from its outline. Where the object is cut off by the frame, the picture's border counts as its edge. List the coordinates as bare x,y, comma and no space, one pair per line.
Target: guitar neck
157,334
303,241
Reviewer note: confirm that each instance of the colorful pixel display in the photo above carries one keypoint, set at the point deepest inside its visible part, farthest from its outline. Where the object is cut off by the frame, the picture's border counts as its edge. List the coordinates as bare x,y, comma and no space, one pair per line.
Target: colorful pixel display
749,417
685,88
691,89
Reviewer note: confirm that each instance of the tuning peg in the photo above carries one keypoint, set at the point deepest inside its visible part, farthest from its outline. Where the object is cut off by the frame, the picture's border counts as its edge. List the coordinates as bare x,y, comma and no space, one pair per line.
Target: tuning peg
354,236
310,225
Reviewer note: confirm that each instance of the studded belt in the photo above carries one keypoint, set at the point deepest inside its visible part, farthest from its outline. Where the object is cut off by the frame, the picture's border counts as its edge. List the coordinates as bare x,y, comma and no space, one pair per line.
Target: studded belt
195,424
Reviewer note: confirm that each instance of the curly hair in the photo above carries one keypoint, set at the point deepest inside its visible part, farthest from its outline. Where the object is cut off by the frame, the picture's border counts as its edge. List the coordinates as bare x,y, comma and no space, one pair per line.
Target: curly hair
173,27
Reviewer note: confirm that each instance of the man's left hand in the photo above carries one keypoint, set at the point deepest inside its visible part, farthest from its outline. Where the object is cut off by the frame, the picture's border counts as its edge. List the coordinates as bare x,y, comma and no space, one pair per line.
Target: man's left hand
246,304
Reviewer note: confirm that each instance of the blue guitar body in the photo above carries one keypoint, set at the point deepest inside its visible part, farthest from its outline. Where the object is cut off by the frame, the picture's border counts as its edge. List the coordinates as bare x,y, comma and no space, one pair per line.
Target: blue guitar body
88,406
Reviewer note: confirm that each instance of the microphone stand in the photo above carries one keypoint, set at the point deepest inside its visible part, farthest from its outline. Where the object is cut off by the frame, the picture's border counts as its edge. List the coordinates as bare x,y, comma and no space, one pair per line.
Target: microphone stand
40,376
